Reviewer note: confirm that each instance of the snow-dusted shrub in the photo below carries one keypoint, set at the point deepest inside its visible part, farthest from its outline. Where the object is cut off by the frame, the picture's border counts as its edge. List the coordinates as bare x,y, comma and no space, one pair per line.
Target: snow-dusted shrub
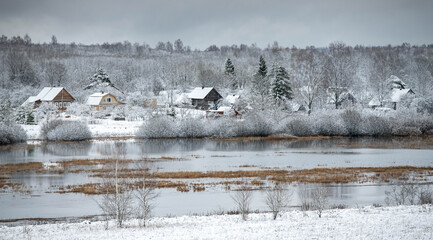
24,115
405,131
78,109
49,126
300,127
329,125
119,112
191,128
377,126
258,126
352,121
159,127
221,128
45,111
135,113
242,129
11,133
70,131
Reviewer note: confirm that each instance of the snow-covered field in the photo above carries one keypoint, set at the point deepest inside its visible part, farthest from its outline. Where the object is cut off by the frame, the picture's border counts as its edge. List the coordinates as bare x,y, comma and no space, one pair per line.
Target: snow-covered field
403,222
98,128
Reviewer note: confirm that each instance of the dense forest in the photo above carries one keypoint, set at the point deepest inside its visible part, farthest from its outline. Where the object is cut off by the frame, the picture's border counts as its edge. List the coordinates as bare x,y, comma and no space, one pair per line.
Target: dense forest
315,74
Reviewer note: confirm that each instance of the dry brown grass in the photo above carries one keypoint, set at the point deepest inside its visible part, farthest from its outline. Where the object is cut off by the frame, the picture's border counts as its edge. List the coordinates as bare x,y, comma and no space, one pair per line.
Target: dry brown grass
352,174
7,169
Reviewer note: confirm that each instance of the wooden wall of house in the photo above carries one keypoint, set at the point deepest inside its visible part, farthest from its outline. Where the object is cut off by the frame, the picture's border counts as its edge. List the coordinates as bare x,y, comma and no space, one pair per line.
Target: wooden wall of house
213,95
114,100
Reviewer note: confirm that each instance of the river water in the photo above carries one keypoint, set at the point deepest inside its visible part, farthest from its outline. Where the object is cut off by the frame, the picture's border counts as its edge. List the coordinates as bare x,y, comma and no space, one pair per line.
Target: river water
203,155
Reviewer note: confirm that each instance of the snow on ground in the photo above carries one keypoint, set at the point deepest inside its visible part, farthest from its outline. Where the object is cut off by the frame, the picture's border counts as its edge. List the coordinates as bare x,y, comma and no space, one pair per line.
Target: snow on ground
111,128
32,131
403,222
98,128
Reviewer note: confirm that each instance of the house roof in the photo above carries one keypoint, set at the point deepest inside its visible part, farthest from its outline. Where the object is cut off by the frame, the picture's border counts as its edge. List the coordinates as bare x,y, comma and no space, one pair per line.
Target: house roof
374,102
48,93
96,98
200,92
398,94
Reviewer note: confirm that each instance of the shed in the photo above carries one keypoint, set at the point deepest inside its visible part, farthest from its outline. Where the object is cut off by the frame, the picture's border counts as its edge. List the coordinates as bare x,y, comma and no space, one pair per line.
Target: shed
204,97
102,101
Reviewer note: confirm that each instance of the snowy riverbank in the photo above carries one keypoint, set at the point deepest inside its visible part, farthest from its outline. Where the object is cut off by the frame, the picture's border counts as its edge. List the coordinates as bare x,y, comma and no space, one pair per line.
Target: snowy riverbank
403,222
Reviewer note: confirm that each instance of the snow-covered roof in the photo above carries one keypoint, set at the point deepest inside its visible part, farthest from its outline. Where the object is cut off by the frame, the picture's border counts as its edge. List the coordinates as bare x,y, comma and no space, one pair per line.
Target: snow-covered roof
225,109
99,94
48,93
200,92
374,102
232,98
29,100
96,98
181,99
398,94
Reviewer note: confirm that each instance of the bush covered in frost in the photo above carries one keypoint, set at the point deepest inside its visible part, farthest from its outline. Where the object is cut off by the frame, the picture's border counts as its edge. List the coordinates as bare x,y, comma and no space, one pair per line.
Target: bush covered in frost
352,120
191,128
59,130
11,133
377,126
222,128
160,127
300,127
254,125
330,125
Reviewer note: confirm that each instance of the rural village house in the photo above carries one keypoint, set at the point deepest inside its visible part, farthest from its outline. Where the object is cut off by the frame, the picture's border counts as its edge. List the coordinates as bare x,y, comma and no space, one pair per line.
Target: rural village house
55,95
204,98
398,95
101,101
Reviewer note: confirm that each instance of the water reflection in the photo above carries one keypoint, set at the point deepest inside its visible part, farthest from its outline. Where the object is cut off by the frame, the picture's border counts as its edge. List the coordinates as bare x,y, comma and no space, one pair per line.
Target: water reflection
66,149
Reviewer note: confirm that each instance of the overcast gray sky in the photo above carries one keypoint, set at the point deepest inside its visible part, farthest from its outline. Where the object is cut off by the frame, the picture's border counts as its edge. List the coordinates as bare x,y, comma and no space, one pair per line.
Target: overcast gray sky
200,23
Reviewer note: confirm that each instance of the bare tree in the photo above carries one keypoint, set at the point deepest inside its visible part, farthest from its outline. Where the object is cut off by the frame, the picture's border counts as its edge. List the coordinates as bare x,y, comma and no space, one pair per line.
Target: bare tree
117,193
310,71
242,199
146,190
304,195
319,199
278,198
56,73
340,70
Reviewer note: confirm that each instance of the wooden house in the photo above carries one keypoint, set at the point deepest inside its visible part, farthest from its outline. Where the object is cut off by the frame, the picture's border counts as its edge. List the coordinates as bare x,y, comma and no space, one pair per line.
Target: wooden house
204,98
101,101
55,95
399,95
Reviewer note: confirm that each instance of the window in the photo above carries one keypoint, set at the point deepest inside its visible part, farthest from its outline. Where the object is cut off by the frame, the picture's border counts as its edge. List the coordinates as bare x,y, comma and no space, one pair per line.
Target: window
108,99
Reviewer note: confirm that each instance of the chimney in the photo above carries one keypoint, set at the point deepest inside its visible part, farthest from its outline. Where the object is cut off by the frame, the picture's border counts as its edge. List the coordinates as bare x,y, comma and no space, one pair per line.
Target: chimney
102,92
202,87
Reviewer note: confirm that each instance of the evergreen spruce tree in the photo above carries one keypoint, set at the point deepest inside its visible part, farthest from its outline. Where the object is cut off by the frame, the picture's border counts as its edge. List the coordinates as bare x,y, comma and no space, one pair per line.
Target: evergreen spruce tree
280,87
230,74
263,70
261,80
100,76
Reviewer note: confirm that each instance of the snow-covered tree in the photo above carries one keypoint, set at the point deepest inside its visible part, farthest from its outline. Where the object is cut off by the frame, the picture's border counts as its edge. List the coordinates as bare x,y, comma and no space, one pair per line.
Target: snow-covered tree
280,87
260,82
230,74
178,46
